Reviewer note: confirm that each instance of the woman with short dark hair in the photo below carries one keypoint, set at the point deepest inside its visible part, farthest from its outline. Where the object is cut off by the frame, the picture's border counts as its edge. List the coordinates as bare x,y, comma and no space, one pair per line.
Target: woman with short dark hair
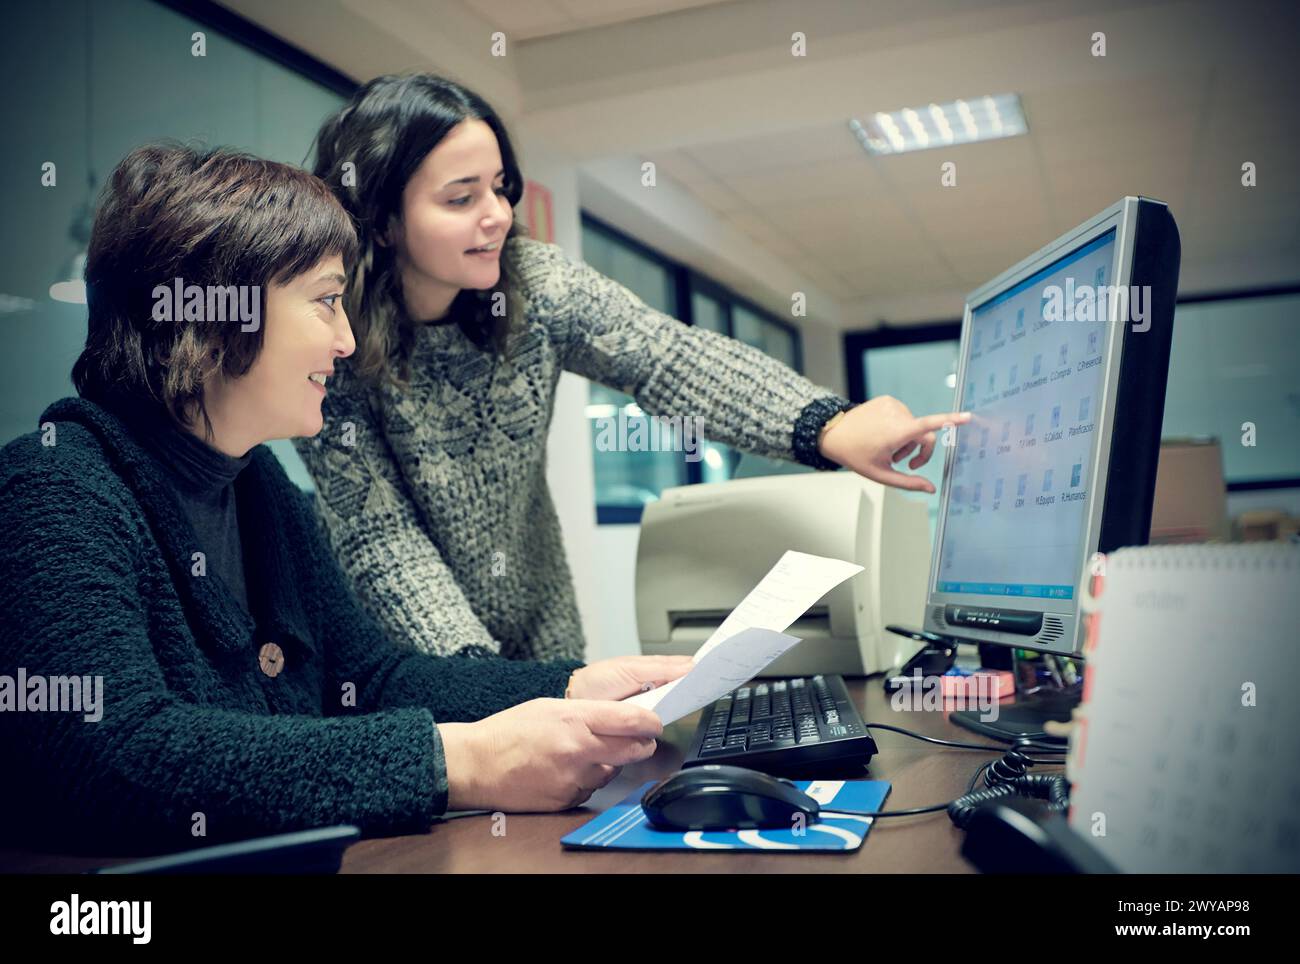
153,550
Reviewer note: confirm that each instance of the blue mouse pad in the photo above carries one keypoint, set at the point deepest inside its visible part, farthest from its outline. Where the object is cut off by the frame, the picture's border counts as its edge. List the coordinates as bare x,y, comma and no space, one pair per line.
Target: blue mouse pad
840,828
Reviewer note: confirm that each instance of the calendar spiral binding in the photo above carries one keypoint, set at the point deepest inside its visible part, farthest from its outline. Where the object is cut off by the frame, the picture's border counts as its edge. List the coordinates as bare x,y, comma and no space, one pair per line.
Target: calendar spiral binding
1225,556
1213,555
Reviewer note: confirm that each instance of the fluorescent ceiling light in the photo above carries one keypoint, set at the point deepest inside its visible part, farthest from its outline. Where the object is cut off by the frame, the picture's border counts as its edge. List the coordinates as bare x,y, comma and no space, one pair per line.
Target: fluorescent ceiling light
941,125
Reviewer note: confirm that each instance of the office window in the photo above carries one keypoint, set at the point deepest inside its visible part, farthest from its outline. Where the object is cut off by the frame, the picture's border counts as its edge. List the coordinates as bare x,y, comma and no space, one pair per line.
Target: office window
1233,361
781,342
776,340
918,366
139,84
719,310
709,312
627,480
717,461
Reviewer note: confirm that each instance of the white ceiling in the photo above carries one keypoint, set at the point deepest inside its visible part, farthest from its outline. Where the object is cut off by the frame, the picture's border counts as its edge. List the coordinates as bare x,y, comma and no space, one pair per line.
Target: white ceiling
1188,91
530,19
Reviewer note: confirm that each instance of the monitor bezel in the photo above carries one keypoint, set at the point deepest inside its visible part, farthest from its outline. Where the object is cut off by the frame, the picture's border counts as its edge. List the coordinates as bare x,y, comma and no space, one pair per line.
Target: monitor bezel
1122,217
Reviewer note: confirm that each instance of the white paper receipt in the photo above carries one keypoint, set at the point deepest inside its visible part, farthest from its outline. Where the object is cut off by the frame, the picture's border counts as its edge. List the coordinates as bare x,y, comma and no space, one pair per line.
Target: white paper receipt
752,637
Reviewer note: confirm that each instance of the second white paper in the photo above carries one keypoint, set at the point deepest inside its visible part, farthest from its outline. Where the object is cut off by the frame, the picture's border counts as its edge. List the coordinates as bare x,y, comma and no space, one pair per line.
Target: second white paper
791,586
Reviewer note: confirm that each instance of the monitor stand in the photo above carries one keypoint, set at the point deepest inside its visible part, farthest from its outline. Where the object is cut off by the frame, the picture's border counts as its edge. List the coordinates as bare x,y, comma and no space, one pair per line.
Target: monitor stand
1025,717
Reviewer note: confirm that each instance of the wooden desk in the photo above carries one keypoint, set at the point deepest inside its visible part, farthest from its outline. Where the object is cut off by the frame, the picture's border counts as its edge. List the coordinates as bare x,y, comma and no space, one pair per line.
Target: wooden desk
921,774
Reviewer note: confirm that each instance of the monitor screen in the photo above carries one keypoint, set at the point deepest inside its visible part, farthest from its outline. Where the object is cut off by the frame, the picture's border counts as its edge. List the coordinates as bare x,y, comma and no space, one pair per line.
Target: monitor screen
1015,516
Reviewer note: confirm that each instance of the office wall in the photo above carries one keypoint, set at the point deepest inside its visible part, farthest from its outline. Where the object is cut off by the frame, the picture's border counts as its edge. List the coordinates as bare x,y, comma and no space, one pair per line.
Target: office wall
569,470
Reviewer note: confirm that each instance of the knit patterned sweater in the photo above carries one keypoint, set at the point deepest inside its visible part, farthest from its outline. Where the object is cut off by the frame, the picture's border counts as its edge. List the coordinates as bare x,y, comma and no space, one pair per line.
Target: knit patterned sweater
97,578
435,497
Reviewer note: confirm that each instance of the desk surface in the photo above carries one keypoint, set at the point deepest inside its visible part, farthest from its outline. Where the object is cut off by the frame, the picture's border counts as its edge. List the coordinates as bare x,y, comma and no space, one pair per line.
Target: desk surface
922,774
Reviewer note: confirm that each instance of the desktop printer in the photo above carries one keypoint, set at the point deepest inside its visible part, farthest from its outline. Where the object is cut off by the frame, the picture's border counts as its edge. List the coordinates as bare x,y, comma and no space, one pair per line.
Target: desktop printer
702,548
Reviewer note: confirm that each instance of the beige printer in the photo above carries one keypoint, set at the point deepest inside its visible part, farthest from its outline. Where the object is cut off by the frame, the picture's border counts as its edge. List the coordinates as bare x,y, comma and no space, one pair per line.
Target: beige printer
702,548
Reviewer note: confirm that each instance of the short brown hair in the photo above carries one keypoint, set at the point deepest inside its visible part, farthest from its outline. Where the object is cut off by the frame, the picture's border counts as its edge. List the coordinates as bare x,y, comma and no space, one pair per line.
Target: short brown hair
213,218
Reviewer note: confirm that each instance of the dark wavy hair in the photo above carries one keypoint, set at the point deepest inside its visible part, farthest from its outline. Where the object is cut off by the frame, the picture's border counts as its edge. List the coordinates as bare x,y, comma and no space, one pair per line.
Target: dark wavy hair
386,130
211,218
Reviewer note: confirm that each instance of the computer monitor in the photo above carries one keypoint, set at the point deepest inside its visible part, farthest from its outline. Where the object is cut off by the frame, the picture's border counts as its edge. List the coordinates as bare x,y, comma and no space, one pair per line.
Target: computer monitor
1063,362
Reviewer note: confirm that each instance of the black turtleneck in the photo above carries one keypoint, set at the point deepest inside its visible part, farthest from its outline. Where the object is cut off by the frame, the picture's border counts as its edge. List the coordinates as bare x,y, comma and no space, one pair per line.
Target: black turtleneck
204,484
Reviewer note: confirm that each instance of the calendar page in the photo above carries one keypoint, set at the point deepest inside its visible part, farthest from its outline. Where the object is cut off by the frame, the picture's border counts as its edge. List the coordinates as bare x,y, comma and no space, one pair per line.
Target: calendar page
1185,758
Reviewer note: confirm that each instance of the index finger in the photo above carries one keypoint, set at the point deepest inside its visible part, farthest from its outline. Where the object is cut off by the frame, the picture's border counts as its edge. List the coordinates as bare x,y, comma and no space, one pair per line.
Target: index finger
610,718
932,423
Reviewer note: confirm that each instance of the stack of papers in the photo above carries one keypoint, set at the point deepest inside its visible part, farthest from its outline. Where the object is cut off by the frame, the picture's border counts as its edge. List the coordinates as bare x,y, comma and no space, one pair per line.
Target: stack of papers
752,637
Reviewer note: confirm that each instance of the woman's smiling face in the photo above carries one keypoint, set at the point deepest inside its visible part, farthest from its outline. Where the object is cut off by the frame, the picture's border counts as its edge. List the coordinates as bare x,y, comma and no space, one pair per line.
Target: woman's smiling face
280,395
453,203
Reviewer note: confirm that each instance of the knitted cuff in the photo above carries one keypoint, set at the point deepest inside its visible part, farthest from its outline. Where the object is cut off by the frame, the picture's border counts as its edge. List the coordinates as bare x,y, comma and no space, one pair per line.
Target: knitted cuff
809,425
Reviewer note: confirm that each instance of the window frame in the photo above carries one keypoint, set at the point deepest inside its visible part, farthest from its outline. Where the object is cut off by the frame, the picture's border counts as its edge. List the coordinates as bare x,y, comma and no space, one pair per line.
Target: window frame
686,282
858,341
263,42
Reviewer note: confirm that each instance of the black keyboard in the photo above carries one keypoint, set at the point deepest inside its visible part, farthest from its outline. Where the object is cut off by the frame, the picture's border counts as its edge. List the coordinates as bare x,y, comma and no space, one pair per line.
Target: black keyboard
783,727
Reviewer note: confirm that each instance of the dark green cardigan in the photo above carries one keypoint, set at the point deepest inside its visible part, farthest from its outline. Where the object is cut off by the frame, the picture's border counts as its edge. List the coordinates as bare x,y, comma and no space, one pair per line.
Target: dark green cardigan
95,580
